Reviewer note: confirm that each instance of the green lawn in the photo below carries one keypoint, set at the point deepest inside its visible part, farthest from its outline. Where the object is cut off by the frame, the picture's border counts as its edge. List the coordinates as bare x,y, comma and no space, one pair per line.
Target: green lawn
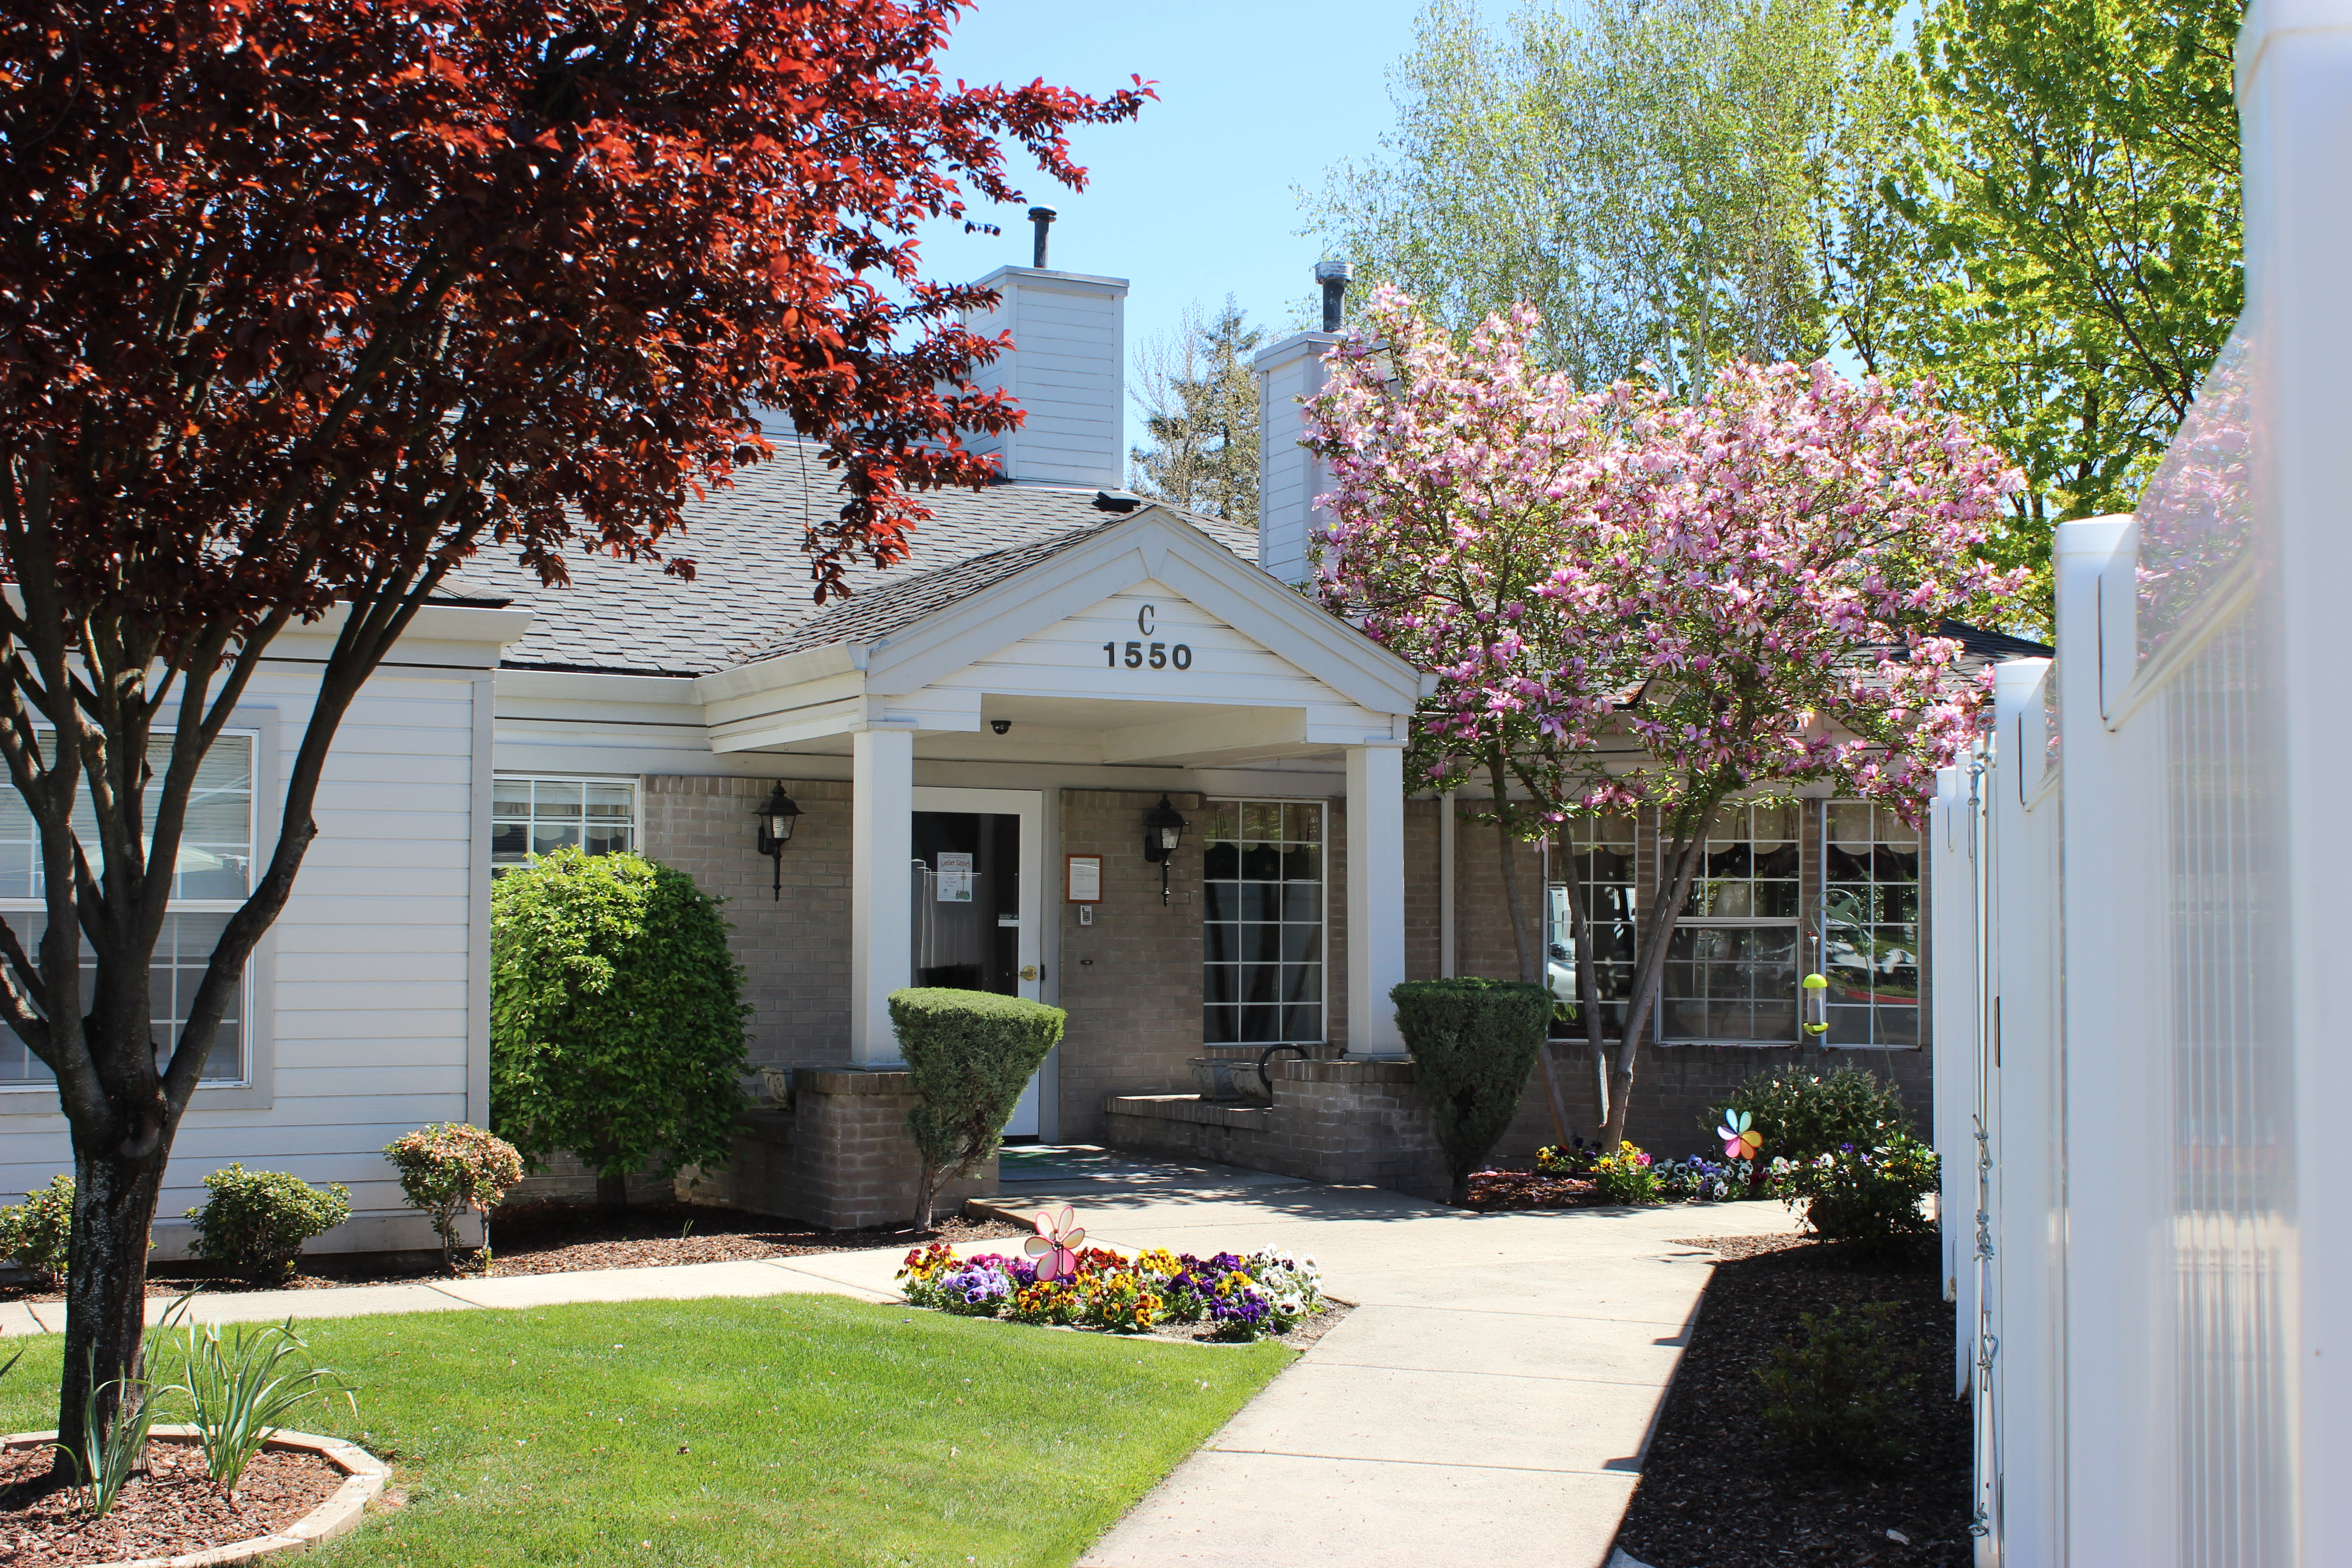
786,1430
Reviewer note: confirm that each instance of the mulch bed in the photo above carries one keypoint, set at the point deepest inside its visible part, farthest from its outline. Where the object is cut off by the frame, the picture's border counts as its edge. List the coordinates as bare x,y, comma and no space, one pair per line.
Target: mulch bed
175,1508
547,1237
1492,1191
1715,1494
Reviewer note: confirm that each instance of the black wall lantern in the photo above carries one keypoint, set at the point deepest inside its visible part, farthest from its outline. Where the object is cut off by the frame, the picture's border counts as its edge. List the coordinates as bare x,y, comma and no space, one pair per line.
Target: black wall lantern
1163,830
776,819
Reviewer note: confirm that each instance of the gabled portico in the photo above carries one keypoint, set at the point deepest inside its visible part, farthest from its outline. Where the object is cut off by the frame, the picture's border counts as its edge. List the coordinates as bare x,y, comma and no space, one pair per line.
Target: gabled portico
1139,642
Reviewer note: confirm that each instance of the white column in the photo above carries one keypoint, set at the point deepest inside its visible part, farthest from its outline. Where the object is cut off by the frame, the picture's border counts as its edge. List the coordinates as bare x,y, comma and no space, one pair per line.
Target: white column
882,841
1375,897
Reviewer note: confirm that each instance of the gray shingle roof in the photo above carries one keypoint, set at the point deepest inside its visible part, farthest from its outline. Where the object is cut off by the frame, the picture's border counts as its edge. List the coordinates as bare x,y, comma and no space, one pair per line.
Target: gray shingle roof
751,596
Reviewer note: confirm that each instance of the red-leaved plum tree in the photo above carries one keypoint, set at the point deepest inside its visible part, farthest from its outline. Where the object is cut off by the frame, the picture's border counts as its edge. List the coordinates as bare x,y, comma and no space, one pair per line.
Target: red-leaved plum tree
1631,601
301,304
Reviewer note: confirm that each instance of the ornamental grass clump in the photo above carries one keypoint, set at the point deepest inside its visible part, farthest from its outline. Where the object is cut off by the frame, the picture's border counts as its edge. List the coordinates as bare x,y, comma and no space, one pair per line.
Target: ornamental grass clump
449,1168
258,1222
240,1386
971,1054
35,1234
1474,1042
1837,1392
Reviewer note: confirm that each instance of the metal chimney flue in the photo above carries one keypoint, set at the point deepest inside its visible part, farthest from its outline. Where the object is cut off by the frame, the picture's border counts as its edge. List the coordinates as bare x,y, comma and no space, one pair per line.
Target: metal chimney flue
1333,277
1044,218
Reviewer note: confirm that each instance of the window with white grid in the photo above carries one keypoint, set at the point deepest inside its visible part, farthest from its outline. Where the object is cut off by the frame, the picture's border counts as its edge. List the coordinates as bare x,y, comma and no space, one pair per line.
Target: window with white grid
1870,909
210,880
1262,929
539,815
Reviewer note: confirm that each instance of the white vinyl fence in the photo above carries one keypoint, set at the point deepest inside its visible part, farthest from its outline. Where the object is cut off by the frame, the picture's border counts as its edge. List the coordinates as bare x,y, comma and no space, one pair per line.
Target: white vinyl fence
2148,1149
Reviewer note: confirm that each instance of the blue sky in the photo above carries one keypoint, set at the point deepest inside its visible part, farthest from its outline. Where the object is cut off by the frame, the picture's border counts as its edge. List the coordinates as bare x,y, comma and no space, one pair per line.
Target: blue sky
1193,200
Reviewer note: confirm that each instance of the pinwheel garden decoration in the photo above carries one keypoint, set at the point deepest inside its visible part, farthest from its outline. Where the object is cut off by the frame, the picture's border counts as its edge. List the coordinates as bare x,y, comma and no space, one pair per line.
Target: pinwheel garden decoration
1056,1244
1740,1142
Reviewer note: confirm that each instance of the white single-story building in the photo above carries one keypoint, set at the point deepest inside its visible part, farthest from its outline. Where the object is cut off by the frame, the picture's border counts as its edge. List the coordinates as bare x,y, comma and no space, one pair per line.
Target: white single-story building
978,744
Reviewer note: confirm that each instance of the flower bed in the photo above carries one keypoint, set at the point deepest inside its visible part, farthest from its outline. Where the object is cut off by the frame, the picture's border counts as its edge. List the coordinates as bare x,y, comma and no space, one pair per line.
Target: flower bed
1631,1176
1231,1296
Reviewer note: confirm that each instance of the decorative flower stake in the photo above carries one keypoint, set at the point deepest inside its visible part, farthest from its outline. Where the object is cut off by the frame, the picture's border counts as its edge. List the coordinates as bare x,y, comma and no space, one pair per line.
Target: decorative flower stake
1056,1244
1740,1142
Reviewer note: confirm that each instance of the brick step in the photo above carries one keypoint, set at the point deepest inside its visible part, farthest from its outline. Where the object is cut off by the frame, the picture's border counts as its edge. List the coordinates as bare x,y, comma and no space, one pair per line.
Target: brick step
1251,1053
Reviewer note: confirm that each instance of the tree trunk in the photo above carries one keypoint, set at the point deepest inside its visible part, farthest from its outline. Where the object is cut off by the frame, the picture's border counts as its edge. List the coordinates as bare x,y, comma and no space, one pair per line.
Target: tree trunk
1588,991
1650,969
1507,844
927,1193
106,1284
612,1191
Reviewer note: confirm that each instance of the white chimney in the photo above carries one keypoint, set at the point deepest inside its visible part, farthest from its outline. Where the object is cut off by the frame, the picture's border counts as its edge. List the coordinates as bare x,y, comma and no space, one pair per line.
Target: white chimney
1070,335
1289,477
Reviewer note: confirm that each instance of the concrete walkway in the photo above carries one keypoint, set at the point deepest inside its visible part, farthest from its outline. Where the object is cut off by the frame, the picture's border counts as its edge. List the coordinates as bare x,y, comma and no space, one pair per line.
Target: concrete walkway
1487,1403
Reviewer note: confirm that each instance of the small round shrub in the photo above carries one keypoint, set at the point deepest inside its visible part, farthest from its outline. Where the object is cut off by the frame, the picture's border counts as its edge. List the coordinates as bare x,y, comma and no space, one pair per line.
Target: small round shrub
1869,1198
257,1222
450,1167
35,1234
1837,1391
1804,1112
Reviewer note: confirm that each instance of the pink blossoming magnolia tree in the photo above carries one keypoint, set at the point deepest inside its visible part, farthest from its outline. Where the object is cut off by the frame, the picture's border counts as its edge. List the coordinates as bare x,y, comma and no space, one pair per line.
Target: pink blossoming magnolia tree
1633,602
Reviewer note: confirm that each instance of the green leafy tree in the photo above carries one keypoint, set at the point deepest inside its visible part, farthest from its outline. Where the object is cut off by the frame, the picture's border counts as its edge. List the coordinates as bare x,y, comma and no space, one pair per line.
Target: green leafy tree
616,1019
2057,238
1654,176
1198,396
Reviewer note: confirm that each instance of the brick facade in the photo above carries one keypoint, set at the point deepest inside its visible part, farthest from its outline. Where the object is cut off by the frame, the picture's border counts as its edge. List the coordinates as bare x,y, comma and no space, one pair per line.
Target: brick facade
1348,1124
839,1156
1131,981
795,949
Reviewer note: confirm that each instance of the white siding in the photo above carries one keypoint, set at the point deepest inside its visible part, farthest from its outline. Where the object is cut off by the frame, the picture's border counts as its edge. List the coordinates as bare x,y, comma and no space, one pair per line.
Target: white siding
1066,373
1289,477
371,1004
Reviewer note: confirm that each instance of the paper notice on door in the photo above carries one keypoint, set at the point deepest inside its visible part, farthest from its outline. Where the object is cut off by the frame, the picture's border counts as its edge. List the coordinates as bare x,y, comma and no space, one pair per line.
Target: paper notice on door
955,877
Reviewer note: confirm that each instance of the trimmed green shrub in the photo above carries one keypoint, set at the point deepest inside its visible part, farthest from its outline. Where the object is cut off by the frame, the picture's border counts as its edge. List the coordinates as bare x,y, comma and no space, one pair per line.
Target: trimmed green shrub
616,1017
450,1167
971,1054
1804,1112
1869,1198
1837,1394
1474,1042
257,1221
34,1234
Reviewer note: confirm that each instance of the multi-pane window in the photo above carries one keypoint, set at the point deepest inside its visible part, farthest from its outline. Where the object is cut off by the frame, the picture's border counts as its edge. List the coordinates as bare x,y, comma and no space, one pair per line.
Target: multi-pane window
1597,853
1262,930
210,880
539,815
1731,969
1870,908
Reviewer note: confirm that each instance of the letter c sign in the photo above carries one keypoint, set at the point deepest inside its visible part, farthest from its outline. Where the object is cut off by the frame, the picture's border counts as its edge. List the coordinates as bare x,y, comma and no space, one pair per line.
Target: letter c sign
1146,618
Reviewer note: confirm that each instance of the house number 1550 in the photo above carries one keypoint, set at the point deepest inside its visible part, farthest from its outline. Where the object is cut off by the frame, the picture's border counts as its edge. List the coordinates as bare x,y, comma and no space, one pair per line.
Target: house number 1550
1157,655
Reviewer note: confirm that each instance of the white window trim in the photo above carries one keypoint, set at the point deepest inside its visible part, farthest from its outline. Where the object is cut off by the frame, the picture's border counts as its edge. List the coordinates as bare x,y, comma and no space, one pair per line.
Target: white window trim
256,1090
1918,925
1795,924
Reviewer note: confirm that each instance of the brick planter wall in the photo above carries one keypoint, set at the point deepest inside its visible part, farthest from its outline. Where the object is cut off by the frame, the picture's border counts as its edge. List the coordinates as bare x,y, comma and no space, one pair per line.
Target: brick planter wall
839,1159
1345,1122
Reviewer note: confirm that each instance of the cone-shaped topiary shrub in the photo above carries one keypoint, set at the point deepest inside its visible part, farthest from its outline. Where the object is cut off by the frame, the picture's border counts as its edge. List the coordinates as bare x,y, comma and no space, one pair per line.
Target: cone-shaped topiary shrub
1474,1042
616,1017
971,1054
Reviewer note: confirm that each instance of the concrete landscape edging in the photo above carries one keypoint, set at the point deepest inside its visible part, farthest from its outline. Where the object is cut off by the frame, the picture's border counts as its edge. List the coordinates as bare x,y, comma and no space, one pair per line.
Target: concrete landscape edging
364,1475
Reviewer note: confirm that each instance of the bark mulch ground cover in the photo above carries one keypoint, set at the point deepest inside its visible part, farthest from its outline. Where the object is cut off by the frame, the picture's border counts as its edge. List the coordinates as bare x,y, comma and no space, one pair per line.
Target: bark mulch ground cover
174,1510
1491,1191
558,1237
1714,1492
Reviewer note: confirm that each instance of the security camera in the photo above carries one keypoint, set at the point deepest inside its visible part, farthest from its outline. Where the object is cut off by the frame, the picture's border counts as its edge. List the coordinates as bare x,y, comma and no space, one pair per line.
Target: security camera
1000,725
